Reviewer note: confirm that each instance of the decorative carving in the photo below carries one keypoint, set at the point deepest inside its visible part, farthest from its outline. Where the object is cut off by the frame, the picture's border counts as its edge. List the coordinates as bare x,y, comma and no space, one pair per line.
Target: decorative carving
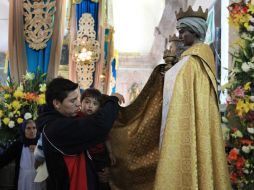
76,1
38,27
86,50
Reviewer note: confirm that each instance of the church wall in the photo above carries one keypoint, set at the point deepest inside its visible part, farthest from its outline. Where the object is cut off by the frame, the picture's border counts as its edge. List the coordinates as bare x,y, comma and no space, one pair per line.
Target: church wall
137,68
132,73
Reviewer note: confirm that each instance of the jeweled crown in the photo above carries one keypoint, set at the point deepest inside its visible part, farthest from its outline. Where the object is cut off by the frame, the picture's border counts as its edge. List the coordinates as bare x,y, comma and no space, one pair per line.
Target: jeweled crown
173,38
191,13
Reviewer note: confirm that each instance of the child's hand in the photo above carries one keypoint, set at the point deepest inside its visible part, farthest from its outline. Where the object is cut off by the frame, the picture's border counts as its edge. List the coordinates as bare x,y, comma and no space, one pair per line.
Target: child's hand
112,159
120,97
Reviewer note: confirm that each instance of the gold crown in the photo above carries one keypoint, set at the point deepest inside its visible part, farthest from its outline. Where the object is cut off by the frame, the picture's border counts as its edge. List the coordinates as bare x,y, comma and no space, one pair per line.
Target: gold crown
190,13
173,38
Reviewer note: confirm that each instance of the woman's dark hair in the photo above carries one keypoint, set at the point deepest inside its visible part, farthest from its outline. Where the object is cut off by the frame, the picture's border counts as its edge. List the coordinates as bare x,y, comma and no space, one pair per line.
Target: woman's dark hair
58,89
93,93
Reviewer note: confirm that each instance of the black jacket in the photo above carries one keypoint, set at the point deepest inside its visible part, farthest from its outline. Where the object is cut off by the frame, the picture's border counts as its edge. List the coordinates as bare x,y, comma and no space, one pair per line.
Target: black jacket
13,152
70,136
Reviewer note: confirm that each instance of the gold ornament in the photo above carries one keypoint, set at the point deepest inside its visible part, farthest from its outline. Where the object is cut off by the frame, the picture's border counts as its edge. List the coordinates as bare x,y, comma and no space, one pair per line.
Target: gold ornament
38,27
86,50
191,13
76,1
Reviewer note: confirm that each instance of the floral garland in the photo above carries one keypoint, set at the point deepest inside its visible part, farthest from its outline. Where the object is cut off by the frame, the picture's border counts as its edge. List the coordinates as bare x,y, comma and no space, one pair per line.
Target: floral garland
239,115
19,103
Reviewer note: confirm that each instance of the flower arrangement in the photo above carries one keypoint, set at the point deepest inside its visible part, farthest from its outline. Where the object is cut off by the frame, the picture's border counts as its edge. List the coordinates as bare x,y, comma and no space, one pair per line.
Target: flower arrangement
239,115
19,103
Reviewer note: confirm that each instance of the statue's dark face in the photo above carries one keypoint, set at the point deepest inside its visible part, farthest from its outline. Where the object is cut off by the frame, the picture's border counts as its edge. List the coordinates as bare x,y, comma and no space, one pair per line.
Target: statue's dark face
188,37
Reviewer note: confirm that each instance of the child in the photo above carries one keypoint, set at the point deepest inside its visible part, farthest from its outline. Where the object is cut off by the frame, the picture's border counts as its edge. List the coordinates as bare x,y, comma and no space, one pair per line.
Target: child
101,153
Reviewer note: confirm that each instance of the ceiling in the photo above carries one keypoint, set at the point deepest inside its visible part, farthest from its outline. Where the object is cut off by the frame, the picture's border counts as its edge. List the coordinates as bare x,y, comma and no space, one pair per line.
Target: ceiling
135,22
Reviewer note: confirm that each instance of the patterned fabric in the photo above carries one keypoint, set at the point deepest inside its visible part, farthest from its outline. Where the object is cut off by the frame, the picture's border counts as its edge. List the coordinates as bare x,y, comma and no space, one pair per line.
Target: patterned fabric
192,155
135,137
169,80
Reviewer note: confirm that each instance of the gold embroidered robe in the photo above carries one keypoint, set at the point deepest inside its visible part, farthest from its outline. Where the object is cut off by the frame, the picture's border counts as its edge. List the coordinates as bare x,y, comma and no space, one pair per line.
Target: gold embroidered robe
192,155
135,138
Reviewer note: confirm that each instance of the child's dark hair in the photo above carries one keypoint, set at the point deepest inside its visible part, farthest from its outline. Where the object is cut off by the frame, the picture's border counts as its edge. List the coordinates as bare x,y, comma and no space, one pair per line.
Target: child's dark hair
92,93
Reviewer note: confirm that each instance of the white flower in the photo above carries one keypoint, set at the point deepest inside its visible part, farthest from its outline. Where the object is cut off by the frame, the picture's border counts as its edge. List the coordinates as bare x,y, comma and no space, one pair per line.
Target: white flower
42,87
251,65
224,119
20,88
252,98
245,67
250,28
244,35
245,171
251,18
29,76
11,124
250,130
27,116
225,131
10,115
237,134
246,149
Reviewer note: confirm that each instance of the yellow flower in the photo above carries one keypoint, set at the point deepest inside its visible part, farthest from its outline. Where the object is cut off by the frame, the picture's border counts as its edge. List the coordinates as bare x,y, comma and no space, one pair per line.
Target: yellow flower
20,88
9,106
246,107
237,134
247,86
1,113
6,96
250,106
41,99
16,104
246,25
19,120
251,8
18,94
240,107
6,120
18,113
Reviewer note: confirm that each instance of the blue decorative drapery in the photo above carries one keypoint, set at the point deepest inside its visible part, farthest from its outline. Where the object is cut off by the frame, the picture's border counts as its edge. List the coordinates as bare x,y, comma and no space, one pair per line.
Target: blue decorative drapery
38,60
113,64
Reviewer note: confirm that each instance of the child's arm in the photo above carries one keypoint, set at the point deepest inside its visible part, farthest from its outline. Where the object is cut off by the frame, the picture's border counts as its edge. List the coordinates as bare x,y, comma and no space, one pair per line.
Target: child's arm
110,152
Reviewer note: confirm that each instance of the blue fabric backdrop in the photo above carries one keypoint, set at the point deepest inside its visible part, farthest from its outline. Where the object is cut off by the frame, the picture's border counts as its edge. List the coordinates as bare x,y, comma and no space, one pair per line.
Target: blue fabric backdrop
114,74
38,59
